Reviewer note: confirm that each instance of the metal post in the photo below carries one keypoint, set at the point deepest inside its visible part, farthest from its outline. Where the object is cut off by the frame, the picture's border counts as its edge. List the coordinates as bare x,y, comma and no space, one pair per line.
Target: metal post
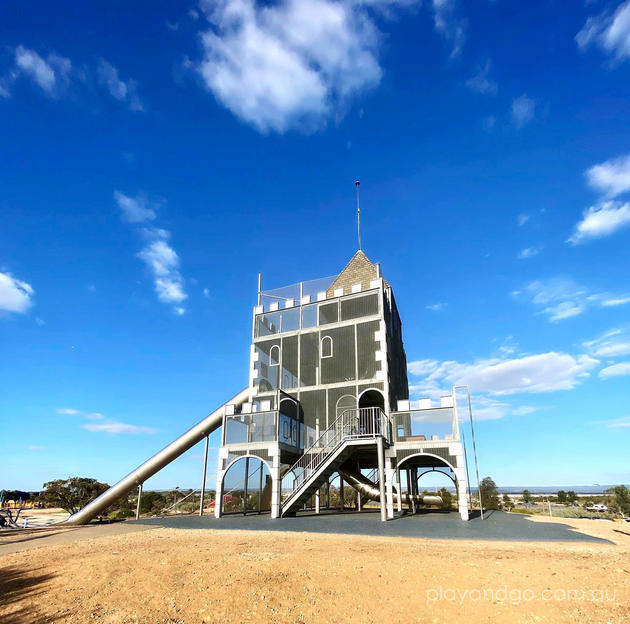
472,431
399,503
259,287
260,488
410,491
203,478
380,450
245,489
317,494
340,493
357,184
138,505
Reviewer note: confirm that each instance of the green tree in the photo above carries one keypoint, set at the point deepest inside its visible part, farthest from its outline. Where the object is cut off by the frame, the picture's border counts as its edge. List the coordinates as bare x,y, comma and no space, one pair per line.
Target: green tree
489,493
562,496
571,497
447,498
620,499
507,502
71,494
527,496
152,502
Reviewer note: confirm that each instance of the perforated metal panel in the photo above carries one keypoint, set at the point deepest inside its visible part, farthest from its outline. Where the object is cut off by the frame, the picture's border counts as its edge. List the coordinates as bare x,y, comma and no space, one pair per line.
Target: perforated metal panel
314,406
356,307
262,453
334,394
341,366
268,376
309,358
440,452
366,350
328,313
289,369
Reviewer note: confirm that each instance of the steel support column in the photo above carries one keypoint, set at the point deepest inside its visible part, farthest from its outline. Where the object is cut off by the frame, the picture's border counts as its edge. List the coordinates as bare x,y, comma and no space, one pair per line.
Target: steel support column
138,505
203,477
380,451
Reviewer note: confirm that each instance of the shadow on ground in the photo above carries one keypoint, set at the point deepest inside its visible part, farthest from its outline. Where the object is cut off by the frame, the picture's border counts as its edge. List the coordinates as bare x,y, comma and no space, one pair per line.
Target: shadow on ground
20,585
495,526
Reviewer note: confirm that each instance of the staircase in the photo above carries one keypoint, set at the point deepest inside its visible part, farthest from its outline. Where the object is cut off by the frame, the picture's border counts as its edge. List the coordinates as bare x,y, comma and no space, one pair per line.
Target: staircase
355,428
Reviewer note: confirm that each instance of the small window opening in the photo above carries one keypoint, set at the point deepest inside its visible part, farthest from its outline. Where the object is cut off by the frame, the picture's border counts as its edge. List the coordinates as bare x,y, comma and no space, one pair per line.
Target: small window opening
274,356
327,347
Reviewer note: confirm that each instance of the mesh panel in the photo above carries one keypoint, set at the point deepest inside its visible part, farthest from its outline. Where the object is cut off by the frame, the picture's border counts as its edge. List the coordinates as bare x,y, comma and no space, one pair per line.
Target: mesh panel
309,357
268,376
314,406
329,313
262,453
366,350
359,306
341,366
289,362
377,384
334,394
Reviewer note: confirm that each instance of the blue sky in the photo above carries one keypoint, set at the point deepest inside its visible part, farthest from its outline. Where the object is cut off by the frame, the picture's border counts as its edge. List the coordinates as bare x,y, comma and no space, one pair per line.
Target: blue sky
156,157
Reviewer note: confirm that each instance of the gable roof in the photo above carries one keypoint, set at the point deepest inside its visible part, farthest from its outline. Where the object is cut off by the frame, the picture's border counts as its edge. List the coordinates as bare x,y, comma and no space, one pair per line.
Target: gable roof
359,270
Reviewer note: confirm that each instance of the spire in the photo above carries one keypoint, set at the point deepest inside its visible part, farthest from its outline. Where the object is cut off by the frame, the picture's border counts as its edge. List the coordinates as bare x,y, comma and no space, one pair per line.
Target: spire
358,184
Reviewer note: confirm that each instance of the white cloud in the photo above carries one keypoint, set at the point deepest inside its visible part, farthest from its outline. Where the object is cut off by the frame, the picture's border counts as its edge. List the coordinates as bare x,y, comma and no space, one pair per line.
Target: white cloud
522,219
449,25
560,298
49,74
522,111
613,343
609,31
206,293
15,295
611,177
529,252
67,411
94,416
118,428
616,423
601,220
158,255
419,368
436,307
119,89
488,122
134,209
615,370
163,263
35,447
543,372
481,83
290,64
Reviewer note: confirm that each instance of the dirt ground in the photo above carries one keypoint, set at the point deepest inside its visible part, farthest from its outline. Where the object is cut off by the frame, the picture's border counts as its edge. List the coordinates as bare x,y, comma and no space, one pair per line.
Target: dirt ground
170,575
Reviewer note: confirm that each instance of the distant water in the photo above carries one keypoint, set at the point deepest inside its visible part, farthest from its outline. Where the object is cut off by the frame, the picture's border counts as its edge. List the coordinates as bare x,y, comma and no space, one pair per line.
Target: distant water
542,489
553,489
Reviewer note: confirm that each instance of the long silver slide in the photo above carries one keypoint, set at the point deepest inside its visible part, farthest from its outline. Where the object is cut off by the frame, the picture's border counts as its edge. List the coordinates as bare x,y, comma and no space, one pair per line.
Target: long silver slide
161,459
371,490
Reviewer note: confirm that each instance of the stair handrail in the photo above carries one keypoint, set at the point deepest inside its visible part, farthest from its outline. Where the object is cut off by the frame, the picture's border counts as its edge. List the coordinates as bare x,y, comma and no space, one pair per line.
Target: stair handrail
347,425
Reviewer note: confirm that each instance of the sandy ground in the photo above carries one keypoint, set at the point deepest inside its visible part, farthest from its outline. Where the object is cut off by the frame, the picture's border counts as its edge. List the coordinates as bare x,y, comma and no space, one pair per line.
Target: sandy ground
170,575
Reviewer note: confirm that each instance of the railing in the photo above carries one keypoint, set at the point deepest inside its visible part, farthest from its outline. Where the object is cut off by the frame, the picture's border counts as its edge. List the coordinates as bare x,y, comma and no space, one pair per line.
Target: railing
365,422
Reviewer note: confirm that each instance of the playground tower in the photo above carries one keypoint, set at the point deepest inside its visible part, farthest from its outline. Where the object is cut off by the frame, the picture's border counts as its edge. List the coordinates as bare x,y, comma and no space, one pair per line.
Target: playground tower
328,397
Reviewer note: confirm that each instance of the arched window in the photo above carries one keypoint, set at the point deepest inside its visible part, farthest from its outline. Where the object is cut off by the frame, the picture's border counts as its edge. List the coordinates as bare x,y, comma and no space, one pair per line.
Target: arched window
274,356
326,347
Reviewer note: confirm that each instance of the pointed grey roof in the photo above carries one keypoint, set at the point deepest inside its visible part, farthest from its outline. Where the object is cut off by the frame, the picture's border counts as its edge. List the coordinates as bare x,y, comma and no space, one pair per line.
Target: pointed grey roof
360,269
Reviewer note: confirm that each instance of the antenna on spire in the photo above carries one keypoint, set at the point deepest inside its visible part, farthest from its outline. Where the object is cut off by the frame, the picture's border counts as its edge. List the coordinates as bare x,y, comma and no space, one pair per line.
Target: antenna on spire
357,184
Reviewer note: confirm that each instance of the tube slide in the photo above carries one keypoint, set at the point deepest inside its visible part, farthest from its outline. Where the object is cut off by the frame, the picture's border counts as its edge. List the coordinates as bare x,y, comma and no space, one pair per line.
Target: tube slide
164,457
371,490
